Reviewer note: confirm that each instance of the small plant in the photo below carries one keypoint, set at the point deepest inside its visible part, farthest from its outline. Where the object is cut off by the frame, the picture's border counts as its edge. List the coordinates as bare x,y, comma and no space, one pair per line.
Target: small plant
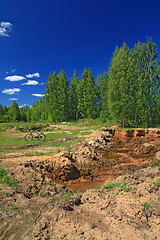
77,200
142,180
92,225
58,150
157,183
146,205
151,176
36,191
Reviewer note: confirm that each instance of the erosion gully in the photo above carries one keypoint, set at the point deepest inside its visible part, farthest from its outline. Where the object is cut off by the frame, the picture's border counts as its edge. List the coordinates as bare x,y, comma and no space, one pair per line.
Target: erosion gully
123,159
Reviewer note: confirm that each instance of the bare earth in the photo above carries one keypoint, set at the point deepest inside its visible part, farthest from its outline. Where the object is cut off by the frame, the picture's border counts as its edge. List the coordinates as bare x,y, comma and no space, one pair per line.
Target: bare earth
44,207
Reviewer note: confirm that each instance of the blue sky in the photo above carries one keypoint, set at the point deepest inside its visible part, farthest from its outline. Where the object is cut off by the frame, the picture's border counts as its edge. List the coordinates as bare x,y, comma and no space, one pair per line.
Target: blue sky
38,37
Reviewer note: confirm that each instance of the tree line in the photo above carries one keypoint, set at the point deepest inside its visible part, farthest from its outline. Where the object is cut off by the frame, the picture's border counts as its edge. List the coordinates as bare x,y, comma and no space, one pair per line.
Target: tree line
128,93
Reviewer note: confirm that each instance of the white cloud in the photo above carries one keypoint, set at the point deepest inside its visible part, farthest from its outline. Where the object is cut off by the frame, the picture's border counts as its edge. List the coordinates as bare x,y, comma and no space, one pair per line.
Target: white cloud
13,99
15,78
32,75
11,90
41,83
37,95
13,70
23,105
5,27
6,24
30,82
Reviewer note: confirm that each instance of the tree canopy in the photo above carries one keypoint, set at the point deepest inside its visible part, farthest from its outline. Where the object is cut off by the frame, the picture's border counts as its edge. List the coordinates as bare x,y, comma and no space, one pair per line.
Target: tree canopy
128,93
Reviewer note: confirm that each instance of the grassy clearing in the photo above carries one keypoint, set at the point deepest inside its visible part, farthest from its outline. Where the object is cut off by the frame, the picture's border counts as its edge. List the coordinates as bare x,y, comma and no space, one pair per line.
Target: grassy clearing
11,141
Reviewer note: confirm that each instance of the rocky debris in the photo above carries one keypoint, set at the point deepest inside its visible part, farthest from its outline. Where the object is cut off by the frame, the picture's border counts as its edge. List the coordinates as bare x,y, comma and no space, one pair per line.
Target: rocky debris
102,139
84,155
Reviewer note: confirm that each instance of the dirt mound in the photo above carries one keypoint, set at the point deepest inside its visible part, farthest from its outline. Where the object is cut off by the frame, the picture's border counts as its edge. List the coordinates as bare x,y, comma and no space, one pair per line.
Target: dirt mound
10,128
127,208
34,173
99,156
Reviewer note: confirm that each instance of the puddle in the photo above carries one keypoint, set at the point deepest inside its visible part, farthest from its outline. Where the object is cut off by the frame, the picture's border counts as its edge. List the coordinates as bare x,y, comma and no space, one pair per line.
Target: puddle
83,186
123,151
113,155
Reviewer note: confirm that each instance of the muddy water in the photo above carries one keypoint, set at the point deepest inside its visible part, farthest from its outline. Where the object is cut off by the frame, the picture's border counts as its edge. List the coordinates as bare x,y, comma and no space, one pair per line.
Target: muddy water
83,186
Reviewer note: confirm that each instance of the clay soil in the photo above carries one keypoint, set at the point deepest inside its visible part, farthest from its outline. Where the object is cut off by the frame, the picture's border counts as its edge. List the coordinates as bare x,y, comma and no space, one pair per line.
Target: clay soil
123,170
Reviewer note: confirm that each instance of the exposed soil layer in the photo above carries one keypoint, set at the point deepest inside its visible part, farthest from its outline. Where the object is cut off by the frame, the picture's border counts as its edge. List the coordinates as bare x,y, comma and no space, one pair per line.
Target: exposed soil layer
43,207
104,154
128,210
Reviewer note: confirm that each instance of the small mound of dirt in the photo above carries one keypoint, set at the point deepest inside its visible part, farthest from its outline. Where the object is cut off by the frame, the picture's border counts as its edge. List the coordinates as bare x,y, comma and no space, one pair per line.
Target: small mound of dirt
10,128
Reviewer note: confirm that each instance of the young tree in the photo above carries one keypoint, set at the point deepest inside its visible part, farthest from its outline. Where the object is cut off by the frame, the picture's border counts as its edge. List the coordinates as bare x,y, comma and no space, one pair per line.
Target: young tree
1,113
147,69
102,93
23,113
51,96
120,84
63,96
14,112
87,98
57,89
73,96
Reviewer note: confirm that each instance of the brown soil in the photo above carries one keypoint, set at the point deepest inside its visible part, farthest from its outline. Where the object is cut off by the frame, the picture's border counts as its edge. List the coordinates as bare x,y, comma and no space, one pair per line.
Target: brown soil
42,206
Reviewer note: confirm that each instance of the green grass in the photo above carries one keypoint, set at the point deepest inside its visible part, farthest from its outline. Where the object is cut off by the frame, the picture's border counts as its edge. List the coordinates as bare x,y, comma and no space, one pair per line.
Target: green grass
34,154
121,186
111,186
5,179
37,154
